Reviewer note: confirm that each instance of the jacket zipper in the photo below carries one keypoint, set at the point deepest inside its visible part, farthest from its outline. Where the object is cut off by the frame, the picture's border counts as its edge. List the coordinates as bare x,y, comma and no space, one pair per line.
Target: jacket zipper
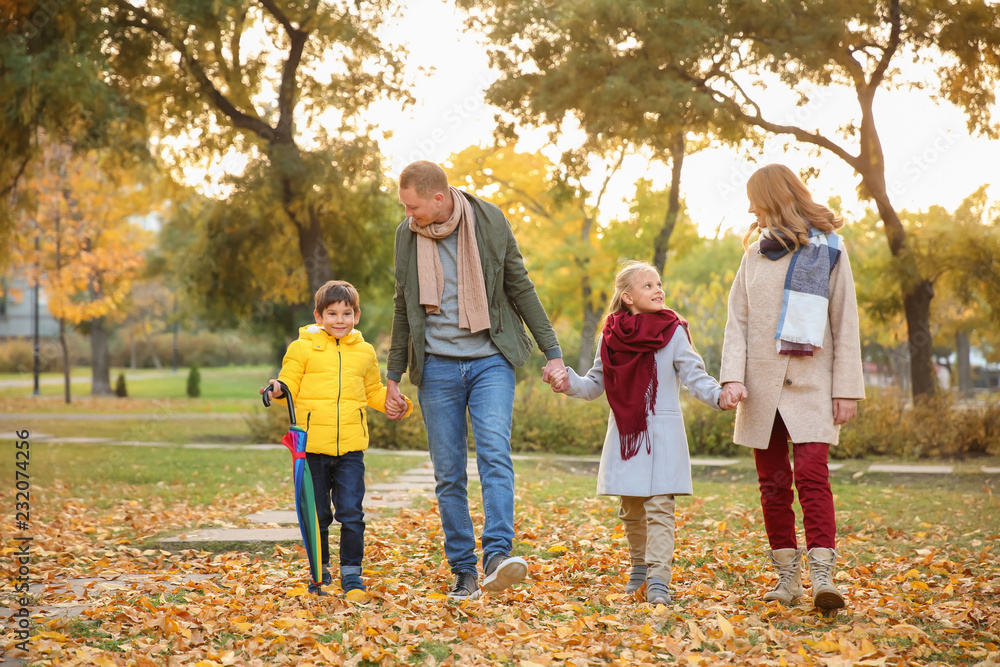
340,383
364,430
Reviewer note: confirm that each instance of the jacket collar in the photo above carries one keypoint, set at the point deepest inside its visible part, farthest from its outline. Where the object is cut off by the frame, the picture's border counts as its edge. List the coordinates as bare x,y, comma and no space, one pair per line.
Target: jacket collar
319,338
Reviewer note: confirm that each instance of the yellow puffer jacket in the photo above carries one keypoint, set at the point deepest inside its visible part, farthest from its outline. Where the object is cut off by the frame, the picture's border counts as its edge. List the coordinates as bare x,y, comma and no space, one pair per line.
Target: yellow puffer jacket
332,382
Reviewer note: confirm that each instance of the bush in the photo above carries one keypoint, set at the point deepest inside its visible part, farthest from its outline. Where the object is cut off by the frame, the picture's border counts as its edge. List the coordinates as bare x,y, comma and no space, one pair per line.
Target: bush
120,390
204,348
194,382
888,424
17,355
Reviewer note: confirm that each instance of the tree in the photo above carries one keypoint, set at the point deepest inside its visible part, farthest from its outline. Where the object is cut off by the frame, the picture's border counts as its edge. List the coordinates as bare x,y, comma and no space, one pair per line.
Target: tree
52,84
556,221
599,65
859,44
728,53
83,207
285,84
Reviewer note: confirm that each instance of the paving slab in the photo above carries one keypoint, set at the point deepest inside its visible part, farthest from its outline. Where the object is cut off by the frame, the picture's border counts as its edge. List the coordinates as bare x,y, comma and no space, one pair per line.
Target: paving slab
911,469
33,436
714,463
395,486
79,441
236,535
990,471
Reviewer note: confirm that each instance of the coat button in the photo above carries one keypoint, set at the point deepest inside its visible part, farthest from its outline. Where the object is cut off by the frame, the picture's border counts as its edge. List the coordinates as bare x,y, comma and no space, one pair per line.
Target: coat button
788,381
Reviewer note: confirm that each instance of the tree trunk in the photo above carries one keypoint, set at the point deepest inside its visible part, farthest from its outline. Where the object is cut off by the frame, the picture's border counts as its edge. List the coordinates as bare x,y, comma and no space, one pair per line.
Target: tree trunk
662,243
917,290
67,393
131,349
287,161
157,364
963,350
99,363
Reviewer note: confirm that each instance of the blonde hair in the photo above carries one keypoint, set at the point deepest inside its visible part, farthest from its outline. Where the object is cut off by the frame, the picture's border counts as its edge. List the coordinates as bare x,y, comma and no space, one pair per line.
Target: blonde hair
787,206
427,178
624,279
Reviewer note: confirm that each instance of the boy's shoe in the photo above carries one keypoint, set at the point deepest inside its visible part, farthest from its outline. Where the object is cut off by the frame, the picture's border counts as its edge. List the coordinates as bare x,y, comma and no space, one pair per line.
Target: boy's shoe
503,572
466,587
316,590
327,577
636,578
350,578
657,591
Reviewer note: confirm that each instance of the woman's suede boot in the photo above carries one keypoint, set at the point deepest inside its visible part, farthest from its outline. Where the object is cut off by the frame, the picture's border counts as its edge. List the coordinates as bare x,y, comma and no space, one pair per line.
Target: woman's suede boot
788,564
821,565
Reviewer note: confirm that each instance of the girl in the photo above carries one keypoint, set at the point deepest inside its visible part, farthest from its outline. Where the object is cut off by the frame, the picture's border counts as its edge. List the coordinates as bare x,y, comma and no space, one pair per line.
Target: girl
792,340
644,355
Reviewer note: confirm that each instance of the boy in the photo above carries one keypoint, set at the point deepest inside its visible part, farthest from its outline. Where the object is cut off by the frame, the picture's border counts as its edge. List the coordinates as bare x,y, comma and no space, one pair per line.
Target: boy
333,375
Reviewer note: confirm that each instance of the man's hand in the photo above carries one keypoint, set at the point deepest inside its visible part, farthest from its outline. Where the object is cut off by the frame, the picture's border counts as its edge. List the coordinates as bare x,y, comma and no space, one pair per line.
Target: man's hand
552,366
844,410
275,388
395,404
559,380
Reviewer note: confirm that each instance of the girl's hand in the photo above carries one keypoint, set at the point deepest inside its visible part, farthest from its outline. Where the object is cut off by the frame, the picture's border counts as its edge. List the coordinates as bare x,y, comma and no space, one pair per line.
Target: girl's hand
559,380
844,410
732,394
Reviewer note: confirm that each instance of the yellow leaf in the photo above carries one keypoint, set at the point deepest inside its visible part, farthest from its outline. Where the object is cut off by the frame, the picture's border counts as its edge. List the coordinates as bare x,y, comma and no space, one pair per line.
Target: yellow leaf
245,627
437,596
55,636
556,549
357,595
327,654
920,586
912,574
725,626
297,592
948,590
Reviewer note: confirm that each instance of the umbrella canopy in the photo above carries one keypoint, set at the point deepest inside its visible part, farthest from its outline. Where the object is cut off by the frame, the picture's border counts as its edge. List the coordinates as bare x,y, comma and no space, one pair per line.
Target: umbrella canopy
305,499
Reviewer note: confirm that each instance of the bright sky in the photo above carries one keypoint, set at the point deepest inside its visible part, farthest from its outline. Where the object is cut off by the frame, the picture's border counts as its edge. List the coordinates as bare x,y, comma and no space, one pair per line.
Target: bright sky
930,157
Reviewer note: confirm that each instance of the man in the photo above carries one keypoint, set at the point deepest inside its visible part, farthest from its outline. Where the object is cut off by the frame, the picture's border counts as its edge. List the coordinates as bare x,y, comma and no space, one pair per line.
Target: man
462,298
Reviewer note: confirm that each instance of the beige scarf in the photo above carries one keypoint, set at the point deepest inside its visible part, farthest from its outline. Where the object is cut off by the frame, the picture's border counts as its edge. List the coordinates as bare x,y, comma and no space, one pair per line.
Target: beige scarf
473,311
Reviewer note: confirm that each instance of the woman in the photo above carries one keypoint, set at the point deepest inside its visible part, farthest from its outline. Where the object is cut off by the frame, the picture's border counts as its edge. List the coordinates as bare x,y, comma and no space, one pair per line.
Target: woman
792,349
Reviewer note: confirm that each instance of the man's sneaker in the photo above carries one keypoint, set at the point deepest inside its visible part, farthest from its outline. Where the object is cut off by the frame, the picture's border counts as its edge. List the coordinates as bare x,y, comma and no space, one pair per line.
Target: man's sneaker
503,572
466,587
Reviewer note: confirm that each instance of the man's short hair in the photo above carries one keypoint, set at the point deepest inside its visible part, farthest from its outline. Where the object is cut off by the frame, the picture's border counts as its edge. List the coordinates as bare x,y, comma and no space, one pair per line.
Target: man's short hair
336,291
427,178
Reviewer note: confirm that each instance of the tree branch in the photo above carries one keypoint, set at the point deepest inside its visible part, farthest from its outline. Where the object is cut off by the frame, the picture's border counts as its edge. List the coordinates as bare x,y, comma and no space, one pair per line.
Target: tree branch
240,119
288,86
891,47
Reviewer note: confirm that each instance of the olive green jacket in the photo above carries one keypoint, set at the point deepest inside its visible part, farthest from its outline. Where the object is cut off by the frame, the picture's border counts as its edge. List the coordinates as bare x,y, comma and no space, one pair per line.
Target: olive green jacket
509,291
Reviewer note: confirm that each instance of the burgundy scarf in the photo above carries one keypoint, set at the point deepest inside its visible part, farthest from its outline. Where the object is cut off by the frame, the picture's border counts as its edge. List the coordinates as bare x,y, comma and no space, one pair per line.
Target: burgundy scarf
630,343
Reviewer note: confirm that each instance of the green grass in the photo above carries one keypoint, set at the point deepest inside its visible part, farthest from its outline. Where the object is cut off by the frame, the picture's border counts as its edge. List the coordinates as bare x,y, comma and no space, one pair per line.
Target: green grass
229,382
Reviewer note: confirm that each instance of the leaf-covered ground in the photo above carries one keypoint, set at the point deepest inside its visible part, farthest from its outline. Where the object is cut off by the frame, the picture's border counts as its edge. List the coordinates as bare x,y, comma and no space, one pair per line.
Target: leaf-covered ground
919,567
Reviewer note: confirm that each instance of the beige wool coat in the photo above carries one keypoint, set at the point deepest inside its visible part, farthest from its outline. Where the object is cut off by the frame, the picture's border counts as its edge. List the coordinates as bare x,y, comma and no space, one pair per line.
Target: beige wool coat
801,389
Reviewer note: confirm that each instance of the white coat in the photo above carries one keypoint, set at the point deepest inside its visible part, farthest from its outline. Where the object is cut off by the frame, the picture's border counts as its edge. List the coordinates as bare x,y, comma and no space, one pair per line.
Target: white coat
666,468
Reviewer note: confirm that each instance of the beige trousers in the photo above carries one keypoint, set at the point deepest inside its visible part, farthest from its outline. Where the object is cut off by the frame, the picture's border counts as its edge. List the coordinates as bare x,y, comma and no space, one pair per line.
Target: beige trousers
649,529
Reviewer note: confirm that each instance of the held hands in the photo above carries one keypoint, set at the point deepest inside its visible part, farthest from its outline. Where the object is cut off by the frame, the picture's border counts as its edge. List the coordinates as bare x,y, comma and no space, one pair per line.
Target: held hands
276,391
395,402
732,394
555,374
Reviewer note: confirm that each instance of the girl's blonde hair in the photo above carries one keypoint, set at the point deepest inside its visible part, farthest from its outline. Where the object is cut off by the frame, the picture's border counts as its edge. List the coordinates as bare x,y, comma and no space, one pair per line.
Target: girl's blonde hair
624,280
787,205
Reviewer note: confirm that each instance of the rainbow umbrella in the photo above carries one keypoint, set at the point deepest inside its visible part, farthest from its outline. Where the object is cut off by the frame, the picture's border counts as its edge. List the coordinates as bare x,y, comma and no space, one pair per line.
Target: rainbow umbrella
305,499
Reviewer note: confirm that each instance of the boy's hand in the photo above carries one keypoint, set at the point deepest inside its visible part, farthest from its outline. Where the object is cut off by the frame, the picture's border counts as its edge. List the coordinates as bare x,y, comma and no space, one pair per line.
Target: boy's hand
393,411
274,387
395,403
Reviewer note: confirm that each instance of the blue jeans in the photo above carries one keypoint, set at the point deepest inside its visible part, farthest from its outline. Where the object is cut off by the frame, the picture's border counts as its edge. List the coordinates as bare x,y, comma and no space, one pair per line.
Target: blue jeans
485,388
340,480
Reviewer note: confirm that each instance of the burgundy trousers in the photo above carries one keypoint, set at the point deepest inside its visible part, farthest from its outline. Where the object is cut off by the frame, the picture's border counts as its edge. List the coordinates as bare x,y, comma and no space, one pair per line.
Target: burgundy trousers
812,480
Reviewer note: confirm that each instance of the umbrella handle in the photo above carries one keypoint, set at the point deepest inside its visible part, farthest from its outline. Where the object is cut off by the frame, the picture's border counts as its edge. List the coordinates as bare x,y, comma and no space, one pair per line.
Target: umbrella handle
266,398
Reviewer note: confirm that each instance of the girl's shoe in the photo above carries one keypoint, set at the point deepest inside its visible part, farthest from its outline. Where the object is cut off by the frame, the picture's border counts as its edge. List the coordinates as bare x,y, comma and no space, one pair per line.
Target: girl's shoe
636,578
657,591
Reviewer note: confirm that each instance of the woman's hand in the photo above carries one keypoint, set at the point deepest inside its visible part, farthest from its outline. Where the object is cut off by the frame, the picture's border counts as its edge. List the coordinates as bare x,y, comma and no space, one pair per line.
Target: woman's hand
844,410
